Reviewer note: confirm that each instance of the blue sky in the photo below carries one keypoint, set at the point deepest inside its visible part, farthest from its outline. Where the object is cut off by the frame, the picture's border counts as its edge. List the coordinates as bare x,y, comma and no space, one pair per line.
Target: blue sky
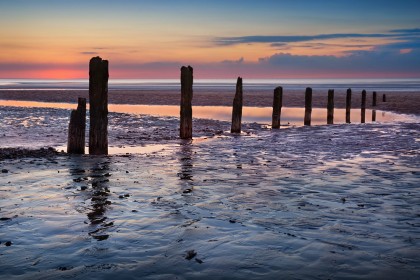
47,38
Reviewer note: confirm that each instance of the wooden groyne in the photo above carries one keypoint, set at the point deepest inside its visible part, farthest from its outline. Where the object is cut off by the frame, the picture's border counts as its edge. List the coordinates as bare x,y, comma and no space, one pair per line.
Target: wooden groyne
185,131
308,106
98,106
277,104
237,108
77,129
330,107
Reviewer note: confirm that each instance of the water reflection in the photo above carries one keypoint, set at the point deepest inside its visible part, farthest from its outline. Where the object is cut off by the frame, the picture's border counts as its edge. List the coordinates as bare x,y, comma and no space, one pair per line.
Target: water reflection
186,171
92,175
294,116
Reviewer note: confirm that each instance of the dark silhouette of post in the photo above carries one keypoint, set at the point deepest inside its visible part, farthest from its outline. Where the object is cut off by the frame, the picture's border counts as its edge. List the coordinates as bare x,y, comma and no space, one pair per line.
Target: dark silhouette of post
185,131
77,129
374,99
383,97
363,107
237,108
308,106
373,115
277,104
330,107
98,106
348,105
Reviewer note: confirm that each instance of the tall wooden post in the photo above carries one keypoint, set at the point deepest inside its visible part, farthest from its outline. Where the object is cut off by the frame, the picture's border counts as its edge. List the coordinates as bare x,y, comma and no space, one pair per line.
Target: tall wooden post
374,99
185,131
277,104
383,97
363,107
237,108
330,107
98,103
348,105
308,106
373,115
77,129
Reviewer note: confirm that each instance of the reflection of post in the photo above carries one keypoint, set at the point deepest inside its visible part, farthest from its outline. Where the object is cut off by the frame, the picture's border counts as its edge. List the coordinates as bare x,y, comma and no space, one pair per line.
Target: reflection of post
374,99
383,97
94,200
77,129
374,115
237,108
98,102
308,106
186,174
330,107
363,107
277,104
185,131
348,105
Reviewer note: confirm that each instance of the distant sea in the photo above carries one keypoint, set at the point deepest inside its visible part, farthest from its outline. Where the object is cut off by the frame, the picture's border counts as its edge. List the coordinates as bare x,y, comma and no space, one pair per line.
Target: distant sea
217,84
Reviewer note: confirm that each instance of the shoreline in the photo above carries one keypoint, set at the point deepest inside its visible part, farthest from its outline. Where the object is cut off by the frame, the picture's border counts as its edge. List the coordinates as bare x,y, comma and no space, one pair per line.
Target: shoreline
404,102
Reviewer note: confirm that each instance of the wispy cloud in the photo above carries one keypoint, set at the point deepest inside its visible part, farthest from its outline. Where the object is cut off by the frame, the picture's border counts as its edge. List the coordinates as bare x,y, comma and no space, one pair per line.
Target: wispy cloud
280,40
89,53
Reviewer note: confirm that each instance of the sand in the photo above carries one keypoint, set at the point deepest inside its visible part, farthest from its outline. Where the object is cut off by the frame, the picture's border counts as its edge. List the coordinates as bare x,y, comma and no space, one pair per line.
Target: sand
399,102
324,202
320,202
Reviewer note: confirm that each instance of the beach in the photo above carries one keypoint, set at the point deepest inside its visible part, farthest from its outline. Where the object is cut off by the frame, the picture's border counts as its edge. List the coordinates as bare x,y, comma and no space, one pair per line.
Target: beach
405,102
323,202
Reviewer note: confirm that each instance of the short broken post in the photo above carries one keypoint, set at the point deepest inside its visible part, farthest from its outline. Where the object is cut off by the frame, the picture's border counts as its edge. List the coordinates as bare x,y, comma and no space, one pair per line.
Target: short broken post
330,107
98,106
77,129
277,104
374,99
383,97
237,108
308,106
363,107
348,105
373,115
185,131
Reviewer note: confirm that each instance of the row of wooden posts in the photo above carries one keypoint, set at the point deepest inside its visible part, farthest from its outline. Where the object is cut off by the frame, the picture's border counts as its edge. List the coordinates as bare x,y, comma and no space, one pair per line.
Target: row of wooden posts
98,103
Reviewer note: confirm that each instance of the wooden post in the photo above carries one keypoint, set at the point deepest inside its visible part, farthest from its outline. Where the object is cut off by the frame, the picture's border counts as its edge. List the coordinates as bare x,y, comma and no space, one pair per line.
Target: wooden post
185,131
374,99
363,107
77,129
348,105
330,107
98,103
308,106
277,104
237,108
384,98
373,115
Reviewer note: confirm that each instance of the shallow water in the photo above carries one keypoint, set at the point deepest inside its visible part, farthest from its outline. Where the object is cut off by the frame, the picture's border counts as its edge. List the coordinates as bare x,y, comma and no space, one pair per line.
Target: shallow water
262,115
321,202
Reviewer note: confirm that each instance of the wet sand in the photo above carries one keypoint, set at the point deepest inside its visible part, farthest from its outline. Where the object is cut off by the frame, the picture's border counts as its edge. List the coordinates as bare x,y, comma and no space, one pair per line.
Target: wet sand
399,102
325,202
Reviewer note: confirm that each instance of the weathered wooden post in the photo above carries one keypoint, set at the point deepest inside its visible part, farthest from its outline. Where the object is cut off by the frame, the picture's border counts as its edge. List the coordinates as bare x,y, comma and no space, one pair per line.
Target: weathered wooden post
308,106
330,107
98,106
237,108
77,129
383,97
348,105
277,104
373,115
363,107
185,131
374,99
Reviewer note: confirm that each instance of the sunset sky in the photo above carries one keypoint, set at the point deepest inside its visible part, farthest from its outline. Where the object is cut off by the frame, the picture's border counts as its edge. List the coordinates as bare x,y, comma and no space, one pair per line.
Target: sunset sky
220,39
